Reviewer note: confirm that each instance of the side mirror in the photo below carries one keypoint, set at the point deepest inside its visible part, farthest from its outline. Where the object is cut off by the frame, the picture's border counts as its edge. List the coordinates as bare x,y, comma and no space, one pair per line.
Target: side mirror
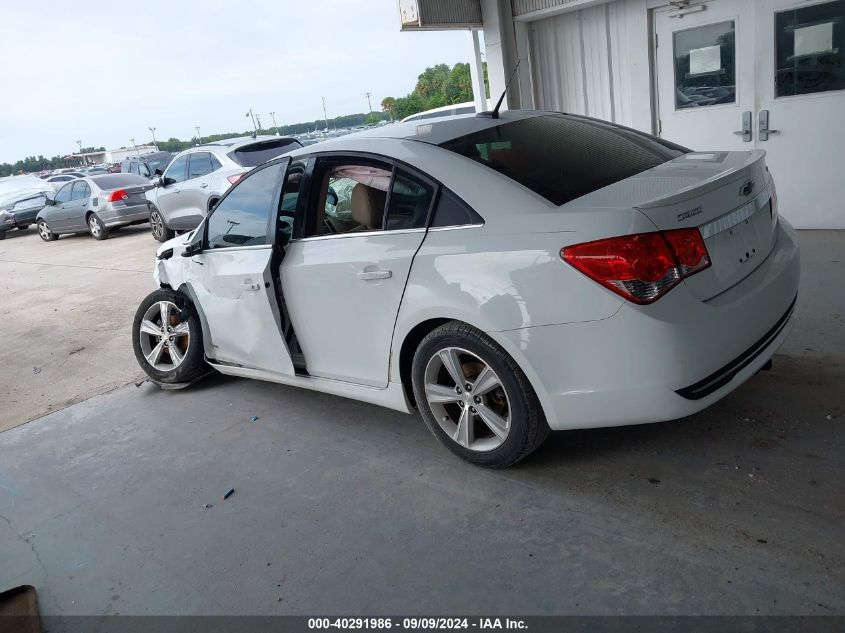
194,247
158,172
156,182
48,201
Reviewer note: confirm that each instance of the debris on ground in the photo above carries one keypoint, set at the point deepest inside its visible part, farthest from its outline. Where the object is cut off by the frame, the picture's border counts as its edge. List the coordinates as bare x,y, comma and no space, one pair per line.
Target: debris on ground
36,370
208,505
141,382
255,418
228,494
653,480
76,351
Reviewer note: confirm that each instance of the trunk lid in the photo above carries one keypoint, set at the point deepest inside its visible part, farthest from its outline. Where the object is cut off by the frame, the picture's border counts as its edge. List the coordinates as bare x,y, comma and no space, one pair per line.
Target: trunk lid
726,195
135,195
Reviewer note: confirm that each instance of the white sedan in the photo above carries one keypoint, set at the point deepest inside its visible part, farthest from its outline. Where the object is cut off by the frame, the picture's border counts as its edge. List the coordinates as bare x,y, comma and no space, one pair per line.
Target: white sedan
504,276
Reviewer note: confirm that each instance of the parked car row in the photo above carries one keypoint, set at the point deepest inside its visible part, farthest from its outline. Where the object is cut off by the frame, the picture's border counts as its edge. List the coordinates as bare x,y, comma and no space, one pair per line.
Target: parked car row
198,177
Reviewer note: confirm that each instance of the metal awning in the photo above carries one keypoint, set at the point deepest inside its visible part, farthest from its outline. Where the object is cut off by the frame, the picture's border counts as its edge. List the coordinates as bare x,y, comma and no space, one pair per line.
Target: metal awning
440,15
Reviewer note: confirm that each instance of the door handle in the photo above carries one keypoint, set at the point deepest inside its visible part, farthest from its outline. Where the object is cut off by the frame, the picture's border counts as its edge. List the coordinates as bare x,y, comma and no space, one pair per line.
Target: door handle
204,185
746,127
250,285
763,126
369,275
177,191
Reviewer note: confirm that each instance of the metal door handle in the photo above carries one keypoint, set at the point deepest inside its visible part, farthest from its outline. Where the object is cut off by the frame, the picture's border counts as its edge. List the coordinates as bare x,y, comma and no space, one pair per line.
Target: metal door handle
204,185
375,274
249,285
177,191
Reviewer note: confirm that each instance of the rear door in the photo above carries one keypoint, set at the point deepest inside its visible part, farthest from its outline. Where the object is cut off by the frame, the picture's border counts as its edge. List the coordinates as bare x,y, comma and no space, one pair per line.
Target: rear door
77,207
344,276
232,277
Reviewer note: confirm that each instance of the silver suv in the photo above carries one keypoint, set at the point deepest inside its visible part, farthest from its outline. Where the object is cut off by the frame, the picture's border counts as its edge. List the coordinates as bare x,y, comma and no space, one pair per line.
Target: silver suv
198,177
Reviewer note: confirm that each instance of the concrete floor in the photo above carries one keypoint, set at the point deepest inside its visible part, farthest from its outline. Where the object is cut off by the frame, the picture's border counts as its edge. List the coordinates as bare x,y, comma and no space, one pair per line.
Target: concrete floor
345,508
66,312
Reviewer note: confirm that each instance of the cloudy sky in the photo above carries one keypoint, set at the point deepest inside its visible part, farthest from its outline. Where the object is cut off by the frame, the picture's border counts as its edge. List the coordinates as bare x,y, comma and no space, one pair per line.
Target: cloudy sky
104,71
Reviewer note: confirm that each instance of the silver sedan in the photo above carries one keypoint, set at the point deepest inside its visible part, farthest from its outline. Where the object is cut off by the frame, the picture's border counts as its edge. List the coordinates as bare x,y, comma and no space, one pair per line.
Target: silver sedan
95,204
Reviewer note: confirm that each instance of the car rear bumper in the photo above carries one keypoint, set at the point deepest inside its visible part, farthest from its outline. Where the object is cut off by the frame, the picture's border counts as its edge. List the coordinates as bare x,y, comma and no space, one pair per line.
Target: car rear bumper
666,360
117,216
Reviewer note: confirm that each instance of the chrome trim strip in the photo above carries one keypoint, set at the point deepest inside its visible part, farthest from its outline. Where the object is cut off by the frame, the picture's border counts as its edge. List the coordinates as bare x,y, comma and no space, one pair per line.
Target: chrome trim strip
335,236
737,216
225,249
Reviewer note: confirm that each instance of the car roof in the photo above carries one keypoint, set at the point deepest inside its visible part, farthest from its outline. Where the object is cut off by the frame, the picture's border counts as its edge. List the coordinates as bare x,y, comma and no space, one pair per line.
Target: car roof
244,140
441,129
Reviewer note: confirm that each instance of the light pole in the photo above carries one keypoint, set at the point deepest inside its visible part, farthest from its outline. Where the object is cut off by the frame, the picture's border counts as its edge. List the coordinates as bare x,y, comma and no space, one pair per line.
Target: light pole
199,138
258,118
369,104
135,146
252,116
325,116
80,152
275,127
153,132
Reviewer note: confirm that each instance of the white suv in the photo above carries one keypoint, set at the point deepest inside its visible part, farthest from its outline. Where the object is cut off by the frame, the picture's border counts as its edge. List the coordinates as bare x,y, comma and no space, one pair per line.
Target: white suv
198,177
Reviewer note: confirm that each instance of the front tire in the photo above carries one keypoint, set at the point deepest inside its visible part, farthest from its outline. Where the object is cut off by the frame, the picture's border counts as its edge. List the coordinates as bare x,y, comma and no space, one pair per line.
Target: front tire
475,399
98,230
167,338
158,228
45,233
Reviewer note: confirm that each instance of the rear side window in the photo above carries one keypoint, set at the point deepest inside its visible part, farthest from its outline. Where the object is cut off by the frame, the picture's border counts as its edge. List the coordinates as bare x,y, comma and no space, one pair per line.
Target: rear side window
452,211
258,153
200,165
409,202
562,157
81,190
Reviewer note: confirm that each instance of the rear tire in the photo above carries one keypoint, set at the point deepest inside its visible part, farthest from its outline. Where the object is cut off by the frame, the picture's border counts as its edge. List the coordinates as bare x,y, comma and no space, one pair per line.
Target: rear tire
45,233
169,351
490,415
98,230
158,228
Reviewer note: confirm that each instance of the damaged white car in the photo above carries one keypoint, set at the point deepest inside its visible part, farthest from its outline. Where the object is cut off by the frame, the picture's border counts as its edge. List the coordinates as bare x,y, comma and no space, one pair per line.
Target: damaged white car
503,275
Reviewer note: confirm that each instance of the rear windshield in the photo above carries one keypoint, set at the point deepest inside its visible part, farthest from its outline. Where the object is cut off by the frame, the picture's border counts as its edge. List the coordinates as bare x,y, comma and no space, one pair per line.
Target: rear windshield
258,153
562,157
113,181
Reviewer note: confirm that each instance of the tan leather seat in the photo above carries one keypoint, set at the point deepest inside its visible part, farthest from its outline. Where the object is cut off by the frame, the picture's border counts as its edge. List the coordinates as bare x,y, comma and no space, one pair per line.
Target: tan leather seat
368,207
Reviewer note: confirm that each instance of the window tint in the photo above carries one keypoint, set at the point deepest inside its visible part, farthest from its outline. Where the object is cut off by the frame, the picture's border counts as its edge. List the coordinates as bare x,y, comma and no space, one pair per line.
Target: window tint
177,170
199,165
452,211
243,216
63,194
142,170
410,200
563,157
810,55
81,190
351,198
705,68
215,164
258,153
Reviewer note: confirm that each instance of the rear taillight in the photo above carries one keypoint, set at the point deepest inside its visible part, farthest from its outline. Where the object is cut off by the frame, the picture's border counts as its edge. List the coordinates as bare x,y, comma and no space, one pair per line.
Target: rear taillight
643,267
234,178
118,195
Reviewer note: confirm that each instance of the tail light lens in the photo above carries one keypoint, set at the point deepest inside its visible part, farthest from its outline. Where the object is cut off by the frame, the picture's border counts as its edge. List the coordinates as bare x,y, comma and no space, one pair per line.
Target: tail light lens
118,195
642,267
234,178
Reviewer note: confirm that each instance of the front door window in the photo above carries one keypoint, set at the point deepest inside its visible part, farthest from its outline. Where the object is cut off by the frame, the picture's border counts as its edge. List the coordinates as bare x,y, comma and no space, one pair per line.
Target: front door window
810,49
705,65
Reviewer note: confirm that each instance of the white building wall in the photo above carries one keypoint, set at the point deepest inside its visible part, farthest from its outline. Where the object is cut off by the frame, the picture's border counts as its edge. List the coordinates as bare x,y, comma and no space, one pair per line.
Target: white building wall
591,59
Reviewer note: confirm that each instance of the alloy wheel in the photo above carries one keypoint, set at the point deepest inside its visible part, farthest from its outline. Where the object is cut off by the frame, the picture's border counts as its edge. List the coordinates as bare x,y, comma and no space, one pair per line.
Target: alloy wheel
156,225
94,226
468,399
44,231
164,337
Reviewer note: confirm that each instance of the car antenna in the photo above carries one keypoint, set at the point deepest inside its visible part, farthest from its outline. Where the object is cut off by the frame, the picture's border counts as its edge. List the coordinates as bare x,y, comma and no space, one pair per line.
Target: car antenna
495,113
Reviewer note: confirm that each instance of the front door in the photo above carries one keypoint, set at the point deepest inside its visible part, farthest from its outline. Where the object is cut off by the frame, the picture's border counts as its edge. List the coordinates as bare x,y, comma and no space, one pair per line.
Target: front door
168,197
705,83
344,276
232,280
801,102
767,74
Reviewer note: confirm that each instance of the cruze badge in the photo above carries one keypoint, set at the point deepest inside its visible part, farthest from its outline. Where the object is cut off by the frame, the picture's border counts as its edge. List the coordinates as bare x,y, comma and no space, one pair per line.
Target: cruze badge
686,215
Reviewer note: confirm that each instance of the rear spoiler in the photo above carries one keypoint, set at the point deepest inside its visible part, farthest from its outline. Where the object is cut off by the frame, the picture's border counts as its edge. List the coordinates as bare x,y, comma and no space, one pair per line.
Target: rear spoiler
735,164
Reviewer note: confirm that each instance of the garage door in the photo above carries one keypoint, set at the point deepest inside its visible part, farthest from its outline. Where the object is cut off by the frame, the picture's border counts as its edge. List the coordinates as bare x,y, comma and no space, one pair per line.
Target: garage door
577,64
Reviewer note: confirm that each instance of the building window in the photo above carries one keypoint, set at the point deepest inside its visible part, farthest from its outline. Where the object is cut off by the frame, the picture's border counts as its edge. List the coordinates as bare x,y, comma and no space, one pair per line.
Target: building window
705,65
809,49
